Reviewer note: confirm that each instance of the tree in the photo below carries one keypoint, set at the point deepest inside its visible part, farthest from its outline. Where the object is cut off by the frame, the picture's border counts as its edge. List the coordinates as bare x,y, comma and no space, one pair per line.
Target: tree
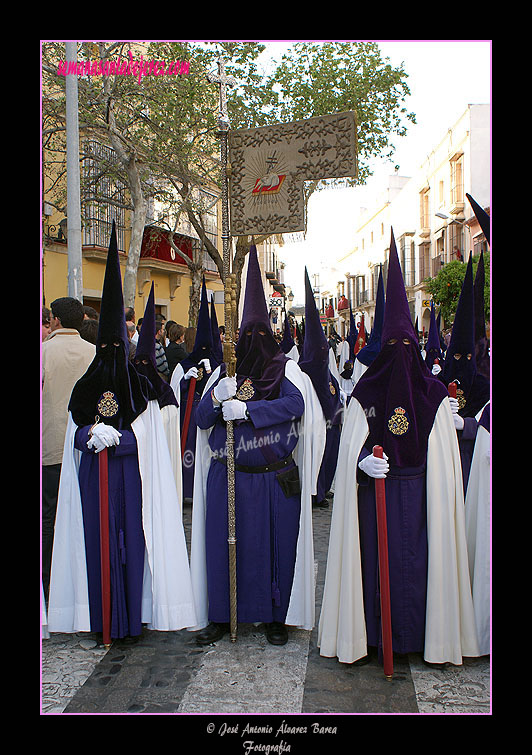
163,129
447,285
316,78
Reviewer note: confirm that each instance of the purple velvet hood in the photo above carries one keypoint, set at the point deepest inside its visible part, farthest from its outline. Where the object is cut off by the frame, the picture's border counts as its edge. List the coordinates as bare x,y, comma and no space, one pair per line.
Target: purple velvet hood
399,396
314,360
258,356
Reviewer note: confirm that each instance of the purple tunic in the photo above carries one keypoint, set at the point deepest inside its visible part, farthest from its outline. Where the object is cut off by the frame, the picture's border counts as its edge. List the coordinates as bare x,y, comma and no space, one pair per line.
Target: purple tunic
407,553
267,522
466,442
190,444
400,399
126,535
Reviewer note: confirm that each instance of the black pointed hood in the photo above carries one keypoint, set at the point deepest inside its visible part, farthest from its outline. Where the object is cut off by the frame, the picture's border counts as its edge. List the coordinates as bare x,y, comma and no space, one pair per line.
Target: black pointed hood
482,356
314,360
111,391
203,344
482,217
145,361
460,361
287,342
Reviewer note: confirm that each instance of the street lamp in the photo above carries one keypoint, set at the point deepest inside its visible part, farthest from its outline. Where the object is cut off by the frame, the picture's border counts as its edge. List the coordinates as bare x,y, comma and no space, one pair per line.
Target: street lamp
462,223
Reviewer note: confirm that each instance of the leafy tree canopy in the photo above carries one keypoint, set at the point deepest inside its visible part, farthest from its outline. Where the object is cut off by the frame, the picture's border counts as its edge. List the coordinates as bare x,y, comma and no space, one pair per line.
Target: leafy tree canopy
447,285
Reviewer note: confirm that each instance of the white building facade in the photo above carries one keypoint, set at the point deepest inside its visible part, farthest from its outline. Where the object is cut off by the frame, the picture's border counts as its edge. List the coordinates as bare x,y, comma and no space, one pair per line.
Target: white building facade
431,217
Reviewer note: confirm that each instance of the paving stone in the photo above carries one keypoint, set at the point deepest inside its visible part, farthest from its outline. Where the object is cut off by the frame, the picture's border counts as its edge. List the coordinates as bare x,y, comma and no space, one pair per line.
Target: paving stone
168,673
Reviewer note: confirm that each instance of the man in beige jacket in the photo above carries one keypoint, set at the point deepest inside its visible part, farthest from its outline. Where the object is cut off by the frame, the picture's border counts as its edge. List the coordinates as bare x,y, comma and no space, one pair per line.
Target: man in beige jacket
65,358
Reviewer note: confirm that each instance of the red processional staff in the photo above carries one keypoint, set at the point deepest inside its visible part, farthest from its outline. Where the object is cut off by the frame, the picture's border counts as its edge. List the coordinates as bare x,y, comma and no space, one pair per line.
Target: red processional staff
188,411
384,572
104,546
452,390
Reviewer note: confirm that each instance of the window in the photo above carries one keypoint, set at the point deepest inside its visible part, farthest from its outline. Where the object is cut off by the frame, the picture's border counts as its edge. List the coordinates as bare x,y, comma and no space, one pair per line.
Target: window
424,209
438,257
104,196
406,255
457,179
361,293
455,231
424,261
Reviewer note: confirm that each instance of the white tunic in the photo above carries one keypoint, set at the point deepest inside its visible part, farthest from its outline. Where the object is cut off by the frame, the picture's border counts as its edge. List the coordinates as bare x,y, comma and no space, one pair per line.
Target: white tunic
450,631
308,454
167,600
477,516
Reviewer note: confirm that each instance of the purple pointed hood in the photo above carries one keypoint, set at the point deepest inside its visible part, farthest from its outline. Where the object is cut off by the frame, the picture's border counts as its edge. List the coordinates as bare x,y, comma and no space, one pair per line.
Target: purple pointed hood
352,336
433,347
145,362
287,342
482,356
367,354
397,393
258,356
460,362
111,390
217,348
314,360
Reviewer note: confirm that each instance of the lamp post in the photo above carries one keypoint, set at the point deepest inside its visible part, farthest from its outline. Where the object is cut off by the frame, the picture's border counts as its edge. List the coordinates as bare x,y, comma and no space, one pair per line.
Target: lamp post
452,220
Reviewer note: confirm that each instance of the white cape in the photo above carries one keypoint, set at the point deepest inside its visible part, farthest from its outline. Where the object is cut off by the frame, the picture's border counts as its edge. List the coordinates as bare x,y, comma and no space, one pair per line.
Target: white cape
167,599
172,431
308,455
343,351
333,367
477,516
358,370
293,353
450,630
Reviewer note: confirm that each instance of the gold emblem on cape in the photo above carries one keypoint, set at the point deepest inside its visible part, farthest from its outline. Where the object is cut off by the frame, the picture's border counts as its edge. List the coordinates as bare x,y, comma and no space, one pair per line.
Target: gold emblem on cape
332,389
398,423
107,405
200,374
460,397
246,390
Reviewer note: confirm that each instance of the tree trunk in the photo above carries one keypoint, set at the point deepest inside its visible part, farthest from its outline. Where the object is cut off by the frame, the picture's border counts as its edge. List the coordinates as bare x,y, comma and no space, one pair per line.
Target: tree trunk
137,232
196,277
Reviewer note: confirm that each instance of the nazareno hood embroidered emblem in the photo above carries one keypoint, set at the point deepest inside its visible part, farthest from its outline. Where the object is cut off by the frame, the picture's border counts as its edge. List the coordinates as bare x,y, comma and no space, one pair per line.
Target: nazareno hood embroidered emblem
398,423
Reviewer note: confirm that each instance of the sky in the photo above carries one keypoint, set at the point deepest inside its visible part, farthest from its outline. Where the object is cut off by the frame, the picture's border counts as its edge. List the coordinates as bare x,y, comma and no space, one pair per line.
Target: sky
444,77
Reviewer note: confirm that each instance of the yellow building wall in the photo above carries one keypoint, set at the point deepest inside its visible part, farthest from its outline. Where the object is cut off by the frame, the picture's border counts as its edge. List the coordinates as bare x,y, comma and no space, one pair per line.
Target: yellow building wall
55,285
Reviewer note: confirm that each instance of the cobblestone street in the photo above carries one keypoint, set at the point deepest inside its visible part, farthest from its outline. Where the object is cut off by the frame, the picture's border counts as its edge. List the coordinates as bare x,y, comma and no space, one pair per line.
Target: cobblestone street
168,673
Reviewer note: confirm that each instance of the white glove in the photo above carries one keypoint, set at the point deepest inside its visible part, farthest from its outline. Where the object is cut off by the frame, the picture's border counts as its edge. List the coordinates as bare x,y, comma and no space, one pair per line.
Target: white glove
436,369
375,467
458,420
207,365
343,397
234,409
225,389
454,404
192,373
103,436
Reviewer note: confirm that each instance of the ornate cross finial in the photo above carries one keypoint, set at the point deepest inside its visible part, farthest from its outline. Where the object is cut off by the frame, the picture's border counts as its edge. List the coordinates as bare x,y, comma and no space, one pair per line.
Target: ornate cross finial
224,81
